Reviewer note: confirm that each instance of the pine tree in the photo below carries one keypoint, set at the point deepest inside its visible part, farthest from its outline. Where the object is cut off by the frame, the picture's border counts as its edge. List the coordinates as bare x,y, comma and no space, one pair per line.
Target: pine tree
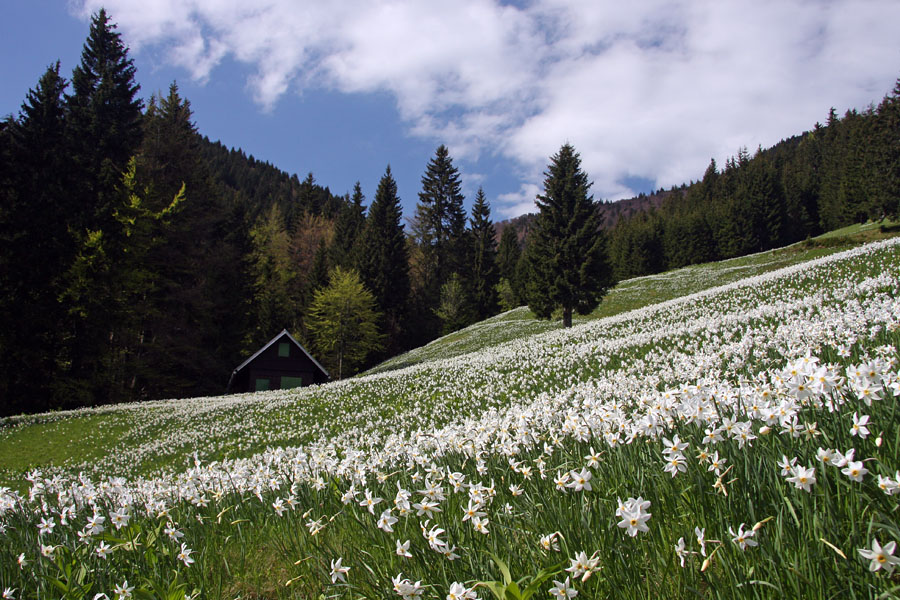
441,218
36,247
347,229
484,265
567,252
384,260
191,336
508,255
103,131
887,158
110,279
104,119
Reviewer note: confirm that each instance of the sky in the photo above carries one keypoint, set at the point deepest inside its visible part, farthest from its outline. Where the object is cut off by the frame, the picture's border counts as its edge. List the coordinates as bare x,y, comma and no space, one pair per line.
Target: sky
646,91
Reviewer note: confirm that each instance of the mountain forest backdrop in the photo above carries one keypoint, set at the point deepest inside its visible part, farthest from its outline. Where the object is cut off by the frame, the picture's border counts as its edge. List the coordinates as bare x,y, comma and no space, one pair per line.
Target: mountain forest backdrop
140,260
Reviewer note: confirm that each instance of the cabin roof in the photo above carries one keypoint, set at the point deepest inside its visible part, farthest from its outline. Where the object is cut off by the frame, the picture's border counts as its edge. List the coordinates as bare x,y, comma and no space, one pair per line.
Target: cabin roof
284,332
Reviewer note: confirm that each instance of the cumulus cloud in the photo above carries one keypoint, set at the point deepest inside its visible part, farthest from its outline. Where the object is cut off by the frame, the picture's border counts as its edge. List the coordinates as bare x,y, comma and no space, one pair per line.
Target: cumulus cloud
648,90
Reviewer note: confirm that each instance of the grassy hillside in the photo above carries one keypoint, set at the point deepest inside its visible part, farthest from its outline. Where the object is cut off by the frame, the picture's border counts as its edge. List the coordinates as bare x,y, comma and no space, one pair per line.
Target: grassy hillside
643,291
737,409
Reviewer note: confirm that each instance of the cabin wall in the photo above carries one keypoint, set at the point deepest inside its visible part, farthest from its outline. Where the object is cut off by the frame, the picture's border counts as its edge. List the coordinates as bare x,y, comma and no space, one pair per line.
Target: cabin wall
273,370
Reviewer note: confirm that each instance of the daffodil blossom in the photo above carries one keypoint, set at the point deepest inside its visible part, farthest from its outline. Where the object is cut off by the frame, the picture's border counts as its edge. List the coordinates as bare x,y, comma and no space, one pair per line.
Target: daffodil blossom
563,589
881,557
743,539
338,571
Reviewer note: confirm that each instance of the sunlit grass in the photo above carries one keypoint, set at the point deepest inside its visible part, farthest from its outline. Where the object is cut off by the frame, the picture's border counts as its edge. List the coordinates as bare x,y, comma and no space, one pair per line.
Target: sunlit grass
510,419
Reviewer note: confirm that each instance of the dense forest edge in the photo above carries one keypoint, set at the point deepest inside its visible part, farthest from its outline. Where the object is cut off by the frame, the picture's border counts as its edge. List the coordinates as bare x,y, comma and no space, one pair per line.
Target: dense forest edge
141,260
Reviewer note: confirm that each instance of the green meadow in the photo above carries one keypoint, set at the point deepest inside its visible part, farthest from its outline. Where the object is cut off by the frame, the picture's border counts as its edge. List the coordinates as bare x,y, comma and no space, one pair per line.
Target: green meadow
726,430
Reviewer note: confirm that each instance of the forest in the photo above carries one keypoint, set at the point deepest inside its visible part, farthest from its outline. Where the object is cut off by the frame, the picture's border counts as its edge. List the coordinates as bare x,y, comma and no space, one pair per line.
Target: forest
140,260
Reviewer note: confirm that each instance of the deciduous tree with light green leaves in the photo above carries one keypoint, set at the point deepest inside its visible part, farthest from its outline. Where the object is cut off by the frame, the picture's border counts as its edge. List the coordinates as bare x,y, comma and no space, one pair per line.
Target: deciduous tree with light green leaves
343,322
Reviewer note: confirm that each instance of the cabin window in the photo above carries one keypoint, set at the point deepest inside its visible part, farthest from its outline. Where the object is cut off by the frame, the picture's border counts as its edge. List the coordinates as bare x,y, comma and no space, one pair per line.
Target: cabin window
262,384
284,349
291,382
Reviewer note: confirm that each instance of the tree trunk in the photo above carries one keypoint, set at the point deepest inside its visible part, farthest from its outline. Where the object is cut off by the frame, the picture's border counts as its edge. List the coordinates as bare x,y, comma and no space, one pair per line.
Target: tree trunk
567,316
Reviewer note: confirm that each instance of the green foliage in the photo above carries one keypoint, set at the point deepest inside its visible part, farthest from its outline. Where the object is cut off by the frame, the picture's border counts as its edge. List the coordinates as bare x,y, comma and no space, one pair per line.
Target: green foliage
454,309
506,297
36,246
103,120
271,268
384,260
836,174
484,252
343,322
567,251
507,589
345,249
441,229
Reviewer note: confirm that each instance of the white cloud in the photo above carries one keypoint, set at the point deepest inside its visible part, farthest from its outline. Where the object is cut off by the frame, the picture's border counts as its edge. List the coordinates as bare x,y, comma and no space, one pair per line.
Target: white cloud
517,203
651,89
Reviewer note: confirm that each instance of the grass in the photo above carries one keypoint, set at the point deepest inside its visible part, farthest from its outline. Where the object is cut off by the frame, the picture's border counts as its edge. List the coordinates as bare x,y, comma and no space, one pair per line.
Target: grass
639,292
521,411
136,440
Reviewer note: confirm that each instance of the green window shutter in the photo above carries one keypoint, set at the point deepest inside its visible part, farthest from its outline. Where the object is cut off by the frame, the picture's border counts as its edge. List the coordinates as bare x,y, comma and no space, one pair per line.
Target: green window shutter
284,349
262,384
291,382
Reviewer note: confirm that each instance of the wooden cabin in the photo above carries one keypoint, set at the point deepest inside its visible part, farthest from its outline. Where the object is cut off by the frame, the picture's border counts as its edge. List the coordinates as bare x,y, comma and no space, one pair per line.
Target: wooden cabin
281,364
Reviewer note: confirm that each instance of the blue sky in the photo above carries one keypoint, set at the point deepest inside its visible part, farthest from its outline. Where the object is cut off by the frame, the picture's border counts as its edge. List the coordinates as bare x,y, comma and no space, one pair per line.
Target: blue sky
647,92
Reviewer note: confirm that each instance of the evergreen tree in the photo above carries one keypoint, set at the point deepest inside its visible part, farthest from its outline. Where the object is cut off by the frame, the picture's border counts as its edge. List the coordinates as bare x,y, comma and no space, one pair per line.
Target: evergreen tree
384,260
508,251
567,252
887,159
441,220
104,119
193,334
831,213
274,305
800,180
347,229
484,265
454,309
110,277
508,255
103,131
343,322
36,247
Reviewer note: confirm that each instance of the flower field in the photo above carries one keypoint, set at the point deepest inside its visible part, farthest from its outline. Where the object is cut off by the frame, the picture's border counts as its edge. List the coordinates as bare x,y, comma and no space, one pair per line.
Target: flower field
737,442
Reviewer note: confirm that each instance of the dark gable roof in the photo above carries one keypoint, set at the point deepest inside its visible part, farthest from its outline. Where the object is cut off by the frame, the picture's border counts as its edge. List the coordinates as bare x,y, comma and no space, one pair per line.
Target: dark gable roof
284,332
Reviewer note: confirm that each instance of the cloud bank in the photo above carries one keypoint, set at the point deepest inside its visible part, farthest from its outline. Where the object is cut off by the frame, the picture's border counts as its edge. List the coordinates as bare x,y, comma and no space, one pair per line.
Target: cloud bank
650,89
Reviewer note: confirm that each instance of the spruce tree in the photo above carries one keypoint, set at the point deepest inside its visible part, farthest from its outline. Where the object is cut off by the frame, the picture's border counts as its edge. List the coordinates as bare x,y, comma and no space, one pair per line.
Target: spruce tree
103,131
347,229
887,157
441,220
508,255
567,250
36,247
384,260
484,265
191,336
104,118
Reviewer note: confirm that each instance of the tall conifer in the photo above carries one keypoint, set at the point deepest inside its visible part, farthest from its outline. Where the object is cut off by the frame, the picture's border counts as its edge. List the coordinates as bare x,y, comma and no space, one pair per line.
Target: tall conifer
384,261
484,264
104,117
567,252
36,247
441,218
347,230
